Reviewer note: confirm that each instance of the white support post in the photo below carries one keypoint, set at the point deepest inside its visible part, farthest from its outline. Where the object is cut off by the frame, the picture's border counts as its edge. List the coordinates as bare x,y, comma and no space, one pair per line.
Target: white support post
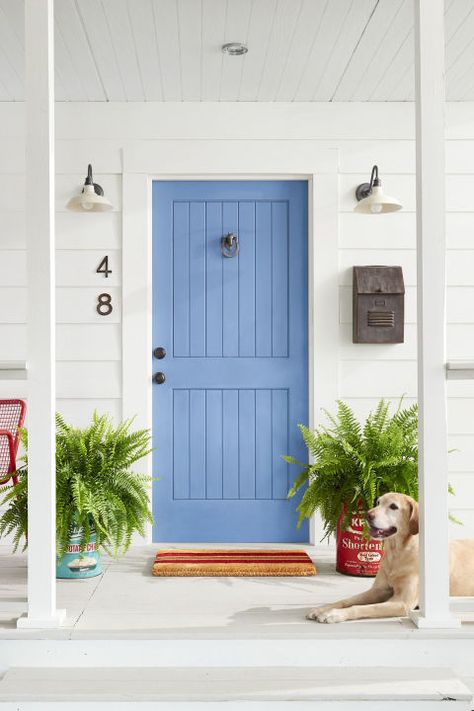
323,307
430,209
39,43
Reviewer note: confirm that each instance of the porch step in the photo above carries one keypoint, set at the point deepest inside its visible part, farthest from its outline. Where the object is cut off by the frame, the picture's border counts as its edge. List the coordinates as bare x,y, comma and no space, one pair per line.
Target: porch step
328,689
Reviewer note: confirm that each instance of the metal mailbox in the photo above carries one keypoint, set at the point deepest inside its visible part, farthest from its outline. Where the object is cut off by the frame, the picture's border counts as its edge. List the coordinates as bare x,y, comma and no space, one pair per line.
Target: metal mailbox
378,305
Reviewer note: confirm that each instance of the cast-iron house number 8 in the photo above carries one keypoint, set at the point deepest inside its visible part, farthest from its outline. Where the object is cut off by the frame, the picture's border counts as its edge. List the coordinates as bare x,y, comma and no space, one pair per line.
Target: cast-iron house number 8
104,301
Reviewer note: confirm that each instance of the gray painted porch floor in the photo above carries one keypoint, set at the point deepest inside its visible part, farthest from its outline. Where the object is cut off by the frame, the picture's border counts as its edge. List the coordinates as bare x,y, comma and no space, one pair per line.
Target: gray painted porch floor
127,602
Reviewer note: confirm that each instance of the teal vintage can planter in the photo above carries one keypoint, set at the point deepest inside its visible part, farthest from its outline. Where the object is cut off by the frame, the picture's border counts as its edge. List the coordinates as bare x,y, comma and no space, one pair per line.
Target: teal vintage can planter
80,564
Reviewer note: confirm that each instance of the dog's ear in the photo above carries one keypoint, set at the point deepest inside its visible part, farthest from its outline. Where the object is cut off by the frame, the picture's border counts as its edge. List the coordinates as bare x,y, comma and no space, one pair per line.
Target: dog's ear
413,522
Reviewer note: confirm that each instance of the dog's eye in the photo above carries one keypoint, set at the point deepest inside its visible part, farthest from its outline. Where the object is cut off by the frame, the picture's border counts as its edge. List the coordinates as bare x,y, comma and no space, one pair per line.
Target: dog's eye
394,506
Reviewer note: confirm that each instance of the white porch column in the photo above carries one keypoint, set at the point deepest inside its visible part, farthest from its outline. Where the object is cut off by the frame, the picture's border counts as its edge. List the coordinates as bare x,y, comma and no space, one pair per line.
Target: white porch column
430,209
39,42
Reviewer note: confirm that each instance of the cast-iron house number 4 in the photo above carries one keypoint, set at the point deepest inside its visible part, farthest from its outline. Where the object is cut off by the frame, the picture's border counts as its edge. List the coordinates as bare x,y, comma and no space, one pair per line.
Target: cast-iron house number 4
104,301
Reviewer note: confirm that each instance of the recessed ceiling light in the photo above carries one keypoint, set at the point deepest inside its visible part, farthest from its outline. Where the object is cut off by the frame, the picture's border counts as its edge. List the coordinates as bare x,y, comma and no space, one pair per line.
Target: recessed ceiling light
235,48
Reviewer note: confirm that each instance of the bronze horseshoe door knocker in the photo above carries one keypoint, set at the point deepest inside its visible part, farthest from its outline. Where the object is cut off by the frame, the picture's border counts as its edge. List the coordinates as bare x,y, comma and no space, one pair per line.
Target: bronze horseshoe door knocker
230,245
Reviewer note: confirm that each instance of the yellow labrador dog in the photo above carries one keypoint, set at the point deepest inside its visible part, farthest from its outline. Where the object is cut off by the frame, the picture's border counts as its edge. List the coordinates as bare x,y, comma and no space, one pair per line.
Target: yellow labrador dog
395,589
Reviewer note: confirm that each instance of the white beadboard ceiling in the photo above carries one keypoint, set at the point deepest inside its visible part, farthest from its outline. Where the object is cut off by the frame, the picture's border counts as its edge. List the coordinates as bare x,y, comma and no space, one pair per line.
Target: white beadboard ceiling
299,50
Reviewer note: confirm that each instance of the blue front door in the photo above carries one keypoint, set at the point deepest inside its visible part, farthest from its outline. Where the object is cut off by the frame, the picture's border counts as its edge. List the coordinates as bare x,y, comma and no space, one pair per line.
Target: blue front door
234,330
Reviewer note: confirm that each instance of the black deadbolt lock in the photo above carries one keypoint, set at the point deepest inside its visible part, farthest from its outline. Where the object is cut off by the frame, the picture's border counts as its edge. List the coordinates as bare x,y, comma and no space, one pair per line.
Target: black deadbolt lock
159,352
159,378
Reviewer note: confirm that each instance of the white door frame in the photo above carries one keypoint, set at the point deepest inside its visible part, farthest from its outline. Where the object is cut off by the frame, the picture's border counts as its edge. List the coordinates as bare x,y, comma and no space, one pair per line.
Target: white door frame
144,162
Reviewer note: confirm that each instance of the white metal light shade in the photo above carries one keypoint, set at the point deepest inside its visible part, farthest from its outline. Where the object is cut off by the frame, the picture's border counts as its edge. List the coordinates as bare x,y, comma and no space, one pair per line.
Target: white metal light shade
372,199
378,202
91,198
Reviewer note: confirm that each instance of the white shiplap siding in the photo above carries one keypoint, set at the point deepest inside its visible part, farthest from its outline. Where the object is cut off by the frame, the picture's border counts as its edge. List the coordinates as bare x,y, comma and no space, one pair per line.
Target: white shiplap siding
89,346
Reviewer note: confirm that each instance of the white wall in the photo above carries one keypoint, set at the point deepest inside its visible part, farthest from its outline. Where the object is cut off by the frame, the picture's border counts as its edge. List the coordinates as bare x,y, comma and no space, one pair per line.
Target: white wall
89,350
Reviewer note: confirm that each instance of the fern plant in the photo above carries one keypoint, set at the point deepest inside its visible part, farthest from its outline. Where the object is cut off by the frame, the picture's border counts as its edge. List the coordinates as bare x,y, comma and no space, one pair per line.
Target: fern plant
95,487
353,464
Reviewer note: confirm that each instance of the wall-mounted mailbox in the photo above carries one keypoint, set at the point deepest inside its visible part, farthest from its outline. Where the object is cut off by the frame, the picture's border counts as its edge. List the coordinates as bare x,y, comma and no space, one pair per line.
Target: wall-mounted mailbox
378,306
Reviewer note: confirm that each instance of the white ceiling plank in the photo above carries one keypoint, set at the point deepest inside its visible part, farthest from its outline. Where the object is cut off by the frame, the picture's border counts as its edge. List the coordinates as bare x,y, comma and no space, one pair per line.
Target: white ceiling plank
351,32
405,89
286,18
458,44
459,82
167,32
69,26
260,27
238,19
328,34
71,81
467,93
460,79
397,73
117,15
4,95
190,34
9,78
97,29
301,43
371,42
14,11
455,13
397,33
462,89
13,53
213,32
459,50
143,26
59,89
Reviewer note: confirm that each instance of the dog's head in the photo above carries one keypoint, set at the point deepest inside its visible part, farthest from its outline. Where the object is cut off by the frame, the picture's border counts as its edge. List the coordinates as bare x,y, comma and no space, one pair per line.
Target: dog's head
393,513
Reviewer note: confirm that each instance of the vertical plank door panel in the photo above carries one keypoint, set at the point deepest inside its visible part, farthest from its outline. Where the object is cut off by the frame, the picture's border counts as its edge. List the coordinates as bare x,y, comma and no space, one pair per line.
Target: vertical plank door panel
247,444
214,443
197,444
181,295
197,278
214,276
230,271
230,444
263,444
247,278
263,295
181,444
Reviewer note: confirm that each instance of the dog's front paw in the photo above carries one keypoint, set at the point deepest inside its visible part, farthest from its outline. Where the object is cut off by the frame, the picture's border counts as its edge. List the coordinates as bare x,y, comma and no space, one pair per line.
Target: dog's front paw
331,616
315,613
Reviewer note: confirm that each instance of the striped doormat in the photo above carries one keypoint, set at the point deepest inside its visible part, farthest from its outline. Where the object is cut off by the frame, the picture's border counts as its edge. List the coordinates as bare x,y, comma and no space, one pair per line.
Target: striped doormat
207,562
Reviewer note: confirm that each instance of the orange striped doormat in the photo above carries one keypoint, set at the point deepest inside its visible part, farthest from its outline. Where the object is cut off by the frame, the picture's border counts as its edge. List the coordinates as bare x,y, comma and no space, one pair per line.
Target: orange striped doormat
232,563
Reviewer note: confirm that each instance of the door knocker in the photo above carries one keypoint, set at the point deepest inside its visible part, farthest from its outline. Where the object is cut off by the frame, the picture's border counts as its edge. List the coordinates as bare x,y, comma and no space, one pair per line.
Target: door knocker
230,245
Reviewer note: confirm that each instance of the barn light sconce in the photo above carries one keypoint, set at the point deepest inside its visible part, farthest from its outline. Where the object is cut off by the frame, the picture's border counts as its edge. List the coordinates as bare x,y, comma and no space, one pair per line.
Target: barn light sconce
91,198
372,199
230,245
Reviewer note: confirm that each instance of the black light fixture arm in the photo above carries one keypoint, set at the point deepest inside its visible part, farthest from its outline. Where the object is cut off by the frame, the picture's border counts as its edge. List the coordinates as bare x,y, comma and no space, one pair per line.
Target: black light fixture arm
90,181
364,189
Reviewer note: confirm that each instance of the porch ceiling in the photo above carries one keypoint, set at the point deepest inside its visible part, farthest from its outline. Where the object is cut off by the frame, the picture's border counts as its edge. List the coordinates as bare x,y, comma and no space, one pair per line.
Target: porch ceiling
299,50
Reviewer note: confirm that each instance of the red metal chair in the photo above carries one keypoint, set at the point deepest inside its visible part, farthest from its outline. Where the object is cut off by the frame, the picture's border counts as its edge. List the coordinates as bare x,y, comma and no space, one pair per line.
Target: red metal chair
12,417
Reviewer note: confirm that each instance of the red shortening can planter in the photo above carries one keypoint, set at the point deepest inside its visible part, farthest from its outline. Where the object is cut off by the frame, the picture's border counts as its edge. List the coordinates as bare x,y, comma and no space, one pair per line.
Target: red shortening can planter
355,554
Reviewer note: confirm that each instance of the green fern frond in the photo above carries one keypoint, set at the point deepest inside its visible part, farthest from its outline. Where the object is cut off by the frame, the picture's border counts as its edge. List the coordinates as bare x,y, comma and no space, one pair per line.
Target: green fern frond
95,486
352,465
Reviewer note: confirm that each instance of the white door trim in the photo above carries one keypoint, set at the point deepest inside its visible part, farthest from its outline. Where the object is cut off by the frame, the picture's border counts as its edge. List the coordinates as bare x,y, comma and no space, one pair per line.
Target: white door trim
145,161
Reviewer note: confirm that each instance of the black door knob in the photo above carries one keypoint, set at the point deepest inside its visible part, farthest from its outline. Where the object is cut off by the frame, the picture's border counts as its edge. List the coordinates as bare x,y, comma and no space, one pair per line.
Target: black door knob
159,378
159,352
